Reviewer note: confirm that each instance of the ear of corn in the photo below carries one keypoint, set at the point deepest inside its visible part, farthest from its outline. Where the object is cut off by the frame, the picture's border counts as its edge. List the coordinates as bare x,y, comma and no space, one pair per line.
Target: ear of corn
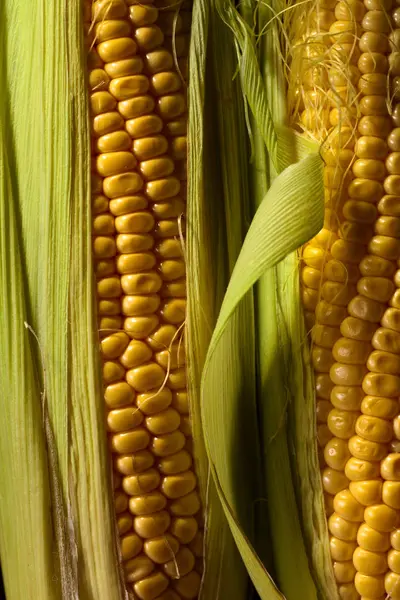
350,297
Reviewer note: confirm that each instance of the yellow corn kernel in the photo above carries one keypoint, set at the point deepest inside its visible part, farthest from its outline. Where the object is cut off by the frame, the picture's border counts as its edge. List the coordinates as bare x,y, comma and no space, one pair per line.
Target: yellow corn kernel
181,565
357,469
392,185
131,546
351,375
370,563
114,345
386,339
131,464
188,586
366,309
373,84
152,526
390,467
376,288
394,560
167,444
120,502
325,336
152,586
175,463
367,492
154,401
140,305
323,386
370,585
141,15
383,362
385,408
172,358
381,517
161,549
336,453
374,42
163,422
359,212
321,359
369,168
124,67
130,441
342,423
346,398
384,385
347,507
341,550
147,503
388,226
372,539
391,494
342,529
367,190
118,395
141,327
349,11
124,523
350,351
392,585
121,419
344,571
314,257
112,372
145,482
347,591
396,427
376,266
374,429
146,377
366,450
184,529
137,568
178,485
186,506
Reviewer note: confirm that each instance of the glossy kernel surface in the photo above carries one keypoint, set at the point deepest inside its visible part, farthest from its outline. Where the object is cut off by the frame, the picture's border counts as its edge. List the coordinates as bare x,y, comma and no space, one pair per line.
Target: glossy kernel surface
138,110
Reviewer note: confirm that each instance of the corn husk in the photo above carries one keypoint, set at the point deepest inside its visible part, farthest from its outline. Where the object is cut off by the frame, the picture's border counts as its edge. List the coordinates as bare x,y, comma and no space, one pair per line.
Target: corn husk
55,469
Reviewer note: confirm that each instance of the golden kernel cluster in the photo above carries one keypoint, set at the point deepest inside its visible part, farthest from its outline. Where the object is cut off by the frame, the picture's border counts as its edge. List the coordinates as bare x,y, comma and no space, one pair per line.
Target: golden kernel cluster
138,108
351,292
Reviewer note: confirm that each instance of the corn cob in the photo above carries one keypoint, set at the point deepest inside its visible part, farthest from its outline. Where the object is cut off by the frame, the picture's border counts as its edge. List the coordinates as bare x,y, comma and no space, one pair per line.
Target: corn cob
138,104
352,298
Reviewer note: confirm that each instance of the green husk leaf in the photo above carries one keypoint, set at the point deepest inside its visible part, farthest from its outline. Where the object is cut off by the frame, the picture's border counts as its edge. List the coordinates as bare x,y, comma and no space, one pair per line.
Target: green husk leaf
29,567
291,212
299,375
49,152
217,216
251,80
26,533
287,542
283,397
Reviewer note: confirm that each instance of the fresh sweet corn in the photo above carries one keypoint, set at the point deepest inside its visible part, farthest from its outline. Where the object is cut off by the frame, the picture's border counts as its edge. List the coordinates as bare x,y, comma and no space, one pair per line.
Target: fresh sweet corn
356,348
138,104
